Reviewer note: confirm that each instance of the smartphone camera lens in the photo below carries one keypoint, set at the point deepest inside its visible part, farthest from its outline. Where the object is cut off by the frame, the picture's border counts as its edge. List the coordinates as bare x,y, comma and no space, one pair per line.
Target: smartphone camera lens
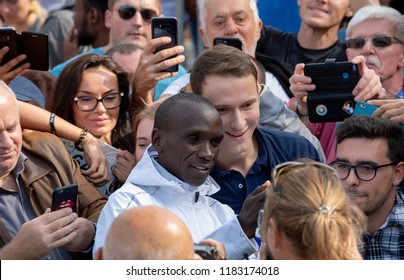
345,75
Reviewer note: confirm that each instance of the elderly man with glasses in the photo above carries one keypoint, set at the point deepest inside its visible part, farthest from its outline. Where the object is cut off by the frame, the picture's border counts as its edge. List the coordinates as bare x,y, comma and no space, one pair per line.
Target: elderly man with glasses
370,164
375,35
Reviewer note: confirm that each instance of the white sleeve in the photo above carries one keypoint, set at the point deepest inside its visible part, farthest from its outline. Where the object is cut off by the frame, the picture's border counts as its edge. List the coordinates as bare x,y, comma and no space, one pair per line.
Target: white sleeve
177,85
237,244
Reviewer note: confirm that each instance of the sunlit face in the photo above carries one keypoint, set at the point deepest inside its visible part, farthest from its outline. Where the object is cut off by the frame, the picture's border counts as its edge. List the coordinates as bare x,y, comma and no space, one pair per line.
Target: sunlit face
237,101
10,135
134,30
323,14
14,12
388,61
189,147
143,136
377,194
231,18
97,82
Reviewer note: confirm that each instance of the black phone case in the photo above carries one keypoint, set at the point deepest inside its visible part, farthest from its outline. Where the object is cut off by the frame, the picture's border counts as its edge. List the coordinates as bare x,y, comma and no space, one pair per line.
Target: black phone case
33,45
332,100
8,38
65,196
166,26
234,42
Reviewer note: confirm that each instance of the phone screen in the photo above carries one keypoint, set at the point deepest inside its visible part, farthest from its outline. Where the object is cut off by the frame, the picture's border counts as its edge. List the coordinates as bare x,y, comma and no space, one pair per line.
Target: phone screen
65,196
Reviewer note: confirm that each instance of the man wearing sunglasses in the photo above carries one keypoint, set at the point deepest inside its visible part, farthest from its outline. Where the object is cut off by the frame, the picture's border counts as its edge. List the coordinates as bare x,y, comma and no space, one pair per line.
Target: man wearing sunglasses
129,21
374,38
370,164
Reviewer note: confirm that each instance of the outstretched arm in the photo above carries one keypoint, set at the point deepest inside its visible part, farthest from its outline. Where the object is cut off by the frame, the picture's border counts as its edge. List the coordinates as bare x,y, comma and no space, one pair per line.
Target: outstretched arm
36,118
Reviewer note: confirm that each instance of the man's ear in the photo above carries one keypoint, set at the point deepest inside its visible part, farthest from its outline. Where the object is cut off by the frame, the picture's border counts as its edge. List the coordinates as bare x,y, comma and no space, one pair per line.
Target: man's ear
204,37
156,139
398,173
94,16
108,15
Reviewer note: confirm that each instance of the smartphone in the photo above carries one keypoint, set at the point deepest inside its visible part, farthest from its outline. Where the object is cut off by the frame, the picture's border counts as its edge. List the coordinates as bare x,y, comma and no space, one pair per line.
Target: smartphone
332,100
234,42
166,26
205,251
8,38
363,108
65,196
33,45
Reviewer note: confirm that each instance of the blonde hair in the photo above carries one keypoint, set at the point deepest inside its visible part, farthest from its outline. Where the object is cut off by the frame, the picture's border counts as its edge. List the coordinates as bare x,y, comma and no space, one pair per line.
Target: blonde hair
310,206
37,9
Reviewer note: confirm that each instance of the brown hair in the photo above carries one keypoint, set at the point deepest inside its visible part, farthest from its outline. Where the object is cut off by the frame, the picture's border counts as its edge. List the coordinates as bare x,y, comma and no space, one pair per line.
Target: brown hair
220,60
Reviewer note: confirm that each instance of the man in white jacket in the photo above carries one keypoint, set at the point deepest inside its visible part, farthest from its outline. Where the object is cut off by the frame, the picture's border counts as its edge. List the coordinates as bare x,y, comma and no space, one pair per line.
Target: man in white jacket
174,173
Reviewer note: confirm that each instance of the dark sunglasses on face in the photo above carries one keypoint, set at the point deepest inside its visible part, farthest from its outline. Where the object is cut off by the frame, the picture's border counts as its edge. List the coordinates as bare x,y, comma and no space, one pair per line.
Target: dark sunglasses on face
127,12
378,42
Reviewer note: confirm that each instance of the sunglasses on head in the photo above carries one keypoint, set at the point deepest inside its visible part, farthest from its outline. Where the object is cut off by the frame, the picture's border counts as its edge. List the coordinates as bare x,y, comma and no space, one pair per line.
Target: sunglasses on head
378,42
127,12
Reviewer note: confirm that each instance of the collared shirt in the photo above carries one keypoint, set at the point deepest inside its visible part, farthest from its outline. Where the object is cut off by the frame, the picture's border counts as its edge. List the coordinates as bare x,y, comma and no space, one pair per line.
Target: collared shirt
274,147
22,210
388,241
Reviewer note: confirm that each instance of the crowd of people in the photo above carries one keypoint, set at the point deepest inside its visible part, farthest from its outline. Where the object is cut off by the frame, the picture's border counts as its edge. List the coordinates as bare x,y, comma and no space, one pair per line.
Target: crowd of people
222,156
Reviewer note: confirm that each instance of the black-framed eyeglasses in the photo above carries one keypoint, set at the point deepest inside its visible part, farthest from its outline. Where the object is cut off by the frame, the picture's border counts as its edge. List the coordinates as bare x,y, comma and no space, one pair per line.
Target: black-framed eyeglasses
378,42
89,103
365,172
127,12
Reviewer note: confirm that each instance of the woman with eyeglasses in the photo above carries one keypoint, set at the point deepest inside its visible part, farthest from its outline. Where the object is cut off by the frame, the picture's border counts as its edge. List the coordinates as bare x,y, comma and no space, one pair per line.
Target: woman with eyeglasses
92,93
307,215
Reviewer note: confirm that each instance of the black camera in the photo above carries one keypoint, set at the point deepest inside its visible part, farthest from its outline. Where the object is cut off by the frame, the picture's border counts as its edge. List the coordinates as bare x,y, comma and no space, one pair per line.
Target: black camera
205,251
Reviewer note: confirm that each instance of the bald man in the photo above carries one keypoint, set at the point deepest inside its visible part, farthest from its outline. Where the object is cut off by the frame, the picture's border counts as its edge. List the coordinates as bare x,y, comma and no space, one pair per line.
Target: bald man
147,233
174,173
32,165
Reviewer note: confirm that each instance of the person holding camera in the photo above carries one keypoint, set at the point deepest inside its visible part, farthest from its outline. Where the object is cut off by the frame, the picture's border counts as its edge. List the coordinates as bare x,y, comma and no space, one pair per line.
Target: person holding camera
154,233
375,41
29,172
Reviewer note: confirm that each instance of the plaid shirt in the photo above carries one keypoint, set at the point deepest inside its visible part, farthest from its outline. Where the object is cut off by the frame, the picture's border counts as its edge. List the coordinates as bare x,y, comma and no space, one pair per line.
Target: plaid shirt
388,241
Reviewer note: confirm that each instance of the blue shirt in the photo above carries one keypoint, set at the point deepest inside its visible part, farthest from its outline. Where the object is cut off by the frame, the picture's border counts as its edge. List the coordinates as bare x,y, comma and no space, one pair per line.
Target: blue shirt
274,147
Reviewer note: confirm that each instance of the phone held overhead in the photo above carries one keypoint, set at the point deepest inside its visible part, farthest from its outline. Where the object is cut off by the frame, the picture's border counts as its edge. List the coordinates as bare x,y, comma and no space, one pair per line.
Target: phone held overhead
332,100
166,26
33,45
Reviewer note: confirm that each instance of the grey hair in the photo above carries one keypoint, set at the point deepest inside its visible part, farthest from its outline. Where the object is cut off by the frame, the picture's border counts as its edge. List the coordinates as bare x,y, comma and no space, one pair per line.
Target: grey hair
201,8
381,13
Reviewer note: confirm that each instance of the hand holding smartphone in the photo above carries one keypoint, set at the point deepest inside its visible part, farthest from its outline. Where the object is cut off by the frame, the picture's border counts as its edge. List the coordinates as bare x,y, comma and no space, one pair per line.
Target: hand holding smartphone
33,45
332,100
166,26
65,196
